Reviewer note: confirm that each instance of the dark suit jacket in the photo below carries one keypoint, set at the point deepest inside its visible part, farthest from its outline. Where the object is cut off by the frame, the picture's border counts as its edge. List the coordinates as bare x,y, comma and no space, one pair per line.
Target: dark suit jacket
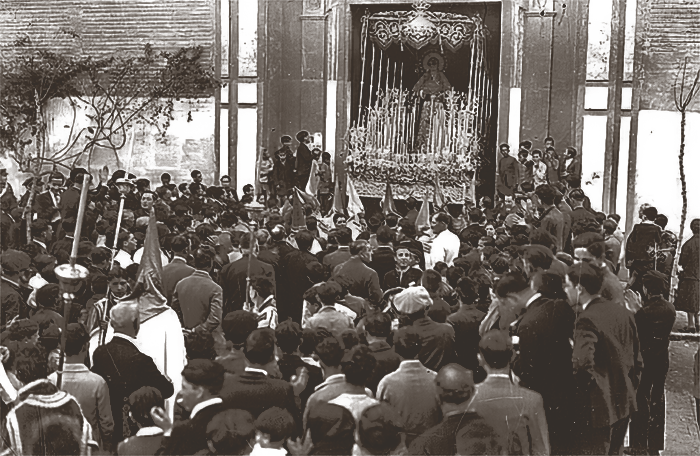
654,323
387,362
294,283
303,164
437,343
544,361
441,439
289,364
126,369
383,261
359,280
579,214
340,256
466,325
607,361
70,200
283,175
574,168
393,279
643,237
173,272
44,206
190,436
508,175
256,392
232,279
554,223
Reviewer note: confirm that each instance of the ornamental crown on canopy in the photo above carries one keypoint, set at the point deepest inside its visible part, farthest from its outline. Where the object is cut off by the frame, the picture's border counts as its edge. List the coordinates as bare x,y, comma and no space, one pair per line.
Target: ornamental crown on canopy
420,27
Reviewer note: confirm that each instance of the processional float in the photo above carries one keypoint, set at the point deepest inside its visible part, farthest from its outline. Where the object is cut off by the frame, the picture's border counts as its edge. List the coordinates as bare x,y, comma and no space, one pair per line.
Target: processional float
412,137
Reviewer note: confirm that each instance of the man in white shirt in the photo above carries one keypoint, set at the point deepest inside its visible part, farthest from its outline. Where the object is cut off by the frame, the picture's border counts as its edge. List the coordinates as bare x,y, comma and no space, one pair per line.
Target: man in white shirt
445,246
126,243
539,169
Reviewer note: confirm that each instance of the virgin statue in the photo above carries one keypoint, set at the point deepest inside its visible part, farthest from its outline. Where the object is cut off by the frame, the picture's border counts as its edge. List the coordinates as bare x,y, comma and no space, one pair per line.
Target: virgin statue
428,89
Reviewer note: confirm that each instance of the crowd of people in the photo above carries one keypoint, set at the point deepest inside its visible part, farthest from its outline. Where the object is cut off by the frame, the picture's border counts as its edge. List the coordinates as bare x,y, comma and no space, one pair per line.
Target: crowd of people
497,328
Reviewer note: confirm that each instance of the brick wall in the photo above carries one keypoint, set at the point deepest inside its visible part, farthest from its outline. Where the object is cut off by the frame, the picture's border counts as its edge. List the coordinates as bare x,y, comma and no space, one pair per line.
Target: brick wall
107,26
669,31
104,27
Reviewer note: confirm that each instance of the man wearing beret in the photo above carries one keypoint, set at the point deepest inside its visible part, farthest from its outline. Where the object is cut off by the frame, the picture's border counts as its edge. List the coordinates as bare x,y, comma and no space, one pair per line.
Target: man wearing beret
13,289
437,340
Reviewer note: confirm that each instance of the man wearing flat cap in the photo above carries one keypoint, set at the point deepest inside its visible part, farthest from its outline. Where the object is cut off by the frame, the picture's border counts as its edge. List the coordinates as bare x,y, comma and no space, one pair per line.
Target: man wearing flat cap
654,323
13,289
508,171
303,159
437,340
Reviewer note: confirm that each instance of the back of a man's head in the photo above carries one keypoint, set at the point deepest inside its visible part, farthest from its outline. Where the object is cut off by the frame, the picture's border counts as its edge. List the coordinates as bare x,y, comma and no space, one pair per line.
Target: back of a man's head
260,347
407,342
231,432
384,235
124,318
329,292
378,324
357,247
431,280
76,339
455,384
238,325
330,352
205,373
379,429
496,349
142,401
358,365
344,235
288,335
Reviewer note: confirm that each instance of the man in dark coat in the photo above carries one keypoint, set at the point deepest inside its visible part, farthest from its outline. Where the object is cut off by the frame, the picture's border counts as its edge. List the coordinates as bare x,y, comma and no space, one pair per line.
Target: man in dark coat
544,360
654,323
607,365
253,390
70,199
343,236
641,244
8,200
466,325
508,171
383,256
437,339
687,297
552,220
47,204
378,327
13,289
232,277
202,380
303,159
295,268
125,368
283,172
178,268
356,277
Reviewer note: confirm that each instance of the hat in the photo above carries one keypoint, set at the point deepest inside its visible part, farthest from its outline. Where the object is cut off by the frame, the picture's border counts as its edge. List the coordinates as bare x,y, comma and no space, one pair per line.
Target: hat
14,261
412,300
286,139
204,372
75,172
3,172
28,182
238,325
